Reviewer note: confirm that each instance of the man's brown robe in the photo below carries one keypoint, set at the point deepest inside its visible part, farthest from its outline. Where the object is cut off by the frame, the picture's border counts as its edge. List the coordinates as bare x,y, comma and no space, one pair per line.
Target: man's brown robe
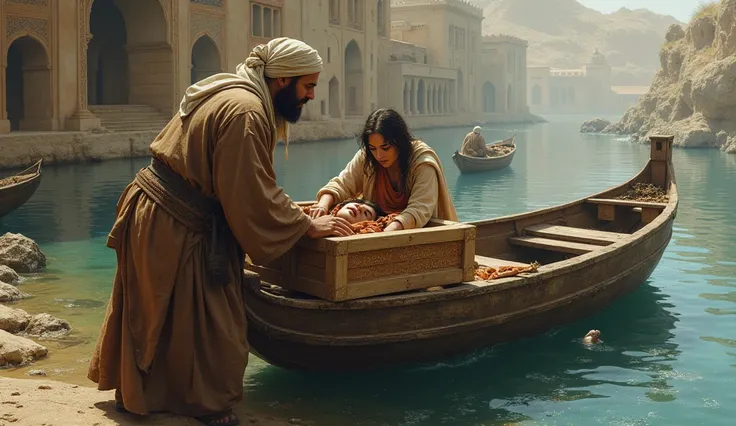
171,340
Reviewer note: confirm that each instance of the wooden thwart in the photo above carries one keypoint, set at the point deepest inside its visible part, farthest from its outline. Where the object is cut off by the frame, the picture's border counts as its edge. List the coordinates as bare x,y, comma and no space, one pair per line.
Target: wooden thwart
627,203
554,245
577,235
607,208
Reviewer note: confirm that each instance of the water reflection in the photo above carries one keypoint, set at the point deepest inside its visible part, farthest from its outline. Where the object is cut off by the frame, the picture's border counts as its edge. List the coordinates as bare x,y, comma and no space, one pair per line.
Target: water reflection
509,382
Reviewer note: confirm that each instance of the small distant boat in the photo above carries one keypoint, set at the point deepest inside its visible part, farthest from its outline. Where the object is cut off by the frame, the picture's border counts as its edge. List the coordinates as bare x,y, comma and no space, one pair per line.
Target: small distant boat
468,164
15,190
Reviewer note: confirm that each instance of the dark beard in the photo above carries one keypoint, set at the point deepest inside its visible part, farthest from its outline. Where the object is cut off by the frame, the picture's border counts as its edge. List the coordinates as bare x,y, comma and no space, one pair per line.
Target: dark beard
287,105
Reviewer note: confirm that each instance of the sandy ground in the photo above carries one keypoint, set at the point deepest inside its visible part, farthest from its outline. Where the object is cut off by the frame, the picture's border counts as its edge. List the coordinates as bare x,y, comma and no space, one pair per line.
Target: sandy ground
52,403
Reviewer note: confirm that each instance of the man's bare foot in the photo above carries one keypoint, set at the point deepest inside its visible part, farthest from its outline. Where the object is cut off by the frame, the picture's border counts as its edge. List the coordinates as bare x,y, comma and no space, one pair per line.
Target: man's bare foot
593,336
227,418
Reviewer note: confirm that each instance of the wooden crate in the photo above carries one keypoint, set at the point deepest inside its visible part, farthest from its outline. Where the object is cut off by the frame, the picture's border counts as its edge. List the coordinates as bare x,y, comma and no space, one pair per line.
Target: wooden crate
346,268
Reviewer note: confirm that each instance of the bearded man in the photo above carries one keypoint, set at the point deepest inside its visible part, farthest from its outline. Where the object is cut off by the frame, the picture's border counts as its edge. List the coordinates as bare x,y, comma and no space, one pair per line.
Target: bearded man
174,335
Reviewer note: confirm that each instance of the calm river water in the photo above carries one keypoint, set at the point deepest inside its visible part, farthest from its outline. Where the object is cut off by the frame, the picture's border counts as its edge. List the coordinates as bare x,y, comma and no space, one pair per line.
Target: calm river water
669,352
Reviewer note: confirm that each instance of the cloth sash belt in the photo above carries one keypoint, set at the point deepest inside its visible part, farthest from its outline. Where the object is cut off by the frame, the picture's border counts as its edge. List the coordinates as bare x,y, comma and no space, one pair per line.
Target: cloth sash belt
197,212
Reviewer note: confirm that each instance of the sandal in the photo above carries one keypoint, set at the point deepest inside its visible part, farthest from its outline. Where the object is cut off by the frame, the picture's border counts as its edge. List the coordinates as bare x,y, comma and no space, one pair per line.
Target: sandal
226,418
119,407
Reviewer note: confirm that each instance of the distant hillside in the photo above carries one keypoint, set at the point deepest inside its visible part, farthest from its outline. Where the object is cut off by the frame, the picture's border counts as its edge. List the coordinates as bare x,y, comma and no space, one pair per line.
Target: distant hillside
564,33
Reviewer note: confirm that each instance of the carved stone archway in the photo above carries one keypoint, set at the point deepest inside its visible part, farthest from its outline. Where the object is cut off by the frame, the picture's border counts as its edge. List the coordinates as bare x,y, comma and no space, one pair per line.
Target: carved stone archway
353,79
28,85
206,60
129,58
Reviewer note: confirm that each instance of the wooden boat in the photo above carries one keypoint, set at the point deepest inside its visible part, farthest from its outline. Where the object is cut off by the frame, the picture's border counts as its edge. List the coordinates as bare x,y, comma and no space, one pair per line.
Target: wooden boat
15,190
592,251
468,164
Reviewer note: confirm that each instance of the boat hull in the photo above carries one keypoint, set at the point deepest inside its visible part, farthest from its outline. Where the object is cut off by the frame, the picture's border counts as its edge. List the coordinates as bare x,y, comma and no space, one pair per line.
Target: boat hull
381,332
14,196
474,165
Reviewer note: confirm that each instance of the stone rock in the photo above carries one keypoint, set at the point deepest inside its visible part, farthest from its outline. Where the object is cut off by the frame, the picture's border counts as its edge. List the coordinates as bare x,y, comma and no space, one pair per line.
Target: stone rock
17,350
721,138
36,373
8,275
702,32
595,125
694,132
674,33
48,327
21,253
614,128
13,320
713,89
730,145
9,293
726,31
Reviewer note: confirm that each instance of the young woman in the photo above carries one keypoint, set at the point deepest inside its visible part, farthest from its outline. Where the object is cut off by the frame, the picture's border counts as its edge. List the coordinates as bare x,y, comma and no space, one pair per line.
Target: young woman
394,170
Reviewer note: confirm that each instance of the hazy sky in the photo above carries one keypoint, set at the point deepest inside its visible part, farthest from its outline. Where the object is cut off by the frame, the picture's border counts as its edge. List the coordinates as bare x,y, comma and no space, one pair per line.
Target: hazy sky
680,9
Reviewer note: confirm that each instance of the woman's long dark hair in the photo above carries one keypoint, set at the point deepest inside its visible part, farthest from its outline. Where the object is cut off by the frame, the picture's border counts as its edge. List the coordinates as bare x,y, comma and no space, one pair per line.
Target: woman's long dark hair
392,126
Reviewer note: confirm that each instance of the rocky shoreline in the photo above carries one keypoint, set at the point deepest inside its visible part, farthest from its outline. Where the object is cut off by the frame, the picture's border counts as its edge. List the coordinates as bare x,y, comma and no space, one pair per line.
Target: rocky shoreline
20,255
693,96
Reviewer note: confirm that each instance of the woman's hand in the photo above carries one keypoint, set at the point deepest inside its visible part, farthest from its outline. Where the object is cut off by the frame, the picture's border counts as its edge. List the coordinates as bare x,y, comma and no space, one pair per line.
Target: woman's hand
394,226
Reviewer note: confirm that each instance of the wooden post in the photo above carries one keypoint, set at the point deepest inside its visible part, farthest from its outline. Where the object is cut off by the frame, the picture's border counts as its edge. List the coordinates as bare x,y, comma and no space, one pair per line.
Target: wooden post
660,156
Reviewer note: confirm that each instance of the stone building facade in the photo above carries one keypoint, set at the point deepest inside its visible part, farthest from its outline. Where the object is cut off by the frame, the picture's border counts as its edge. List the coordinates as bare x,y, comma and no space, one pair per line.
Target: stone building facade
77,65
503,80
577,91
445,81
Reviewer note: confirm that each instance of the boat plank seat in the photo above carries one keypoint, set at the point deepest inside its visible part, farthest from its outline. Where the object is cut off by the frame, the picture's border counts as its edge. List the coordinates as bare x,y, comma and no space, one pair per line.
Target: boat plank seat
607,208
569,247
492,262
576,235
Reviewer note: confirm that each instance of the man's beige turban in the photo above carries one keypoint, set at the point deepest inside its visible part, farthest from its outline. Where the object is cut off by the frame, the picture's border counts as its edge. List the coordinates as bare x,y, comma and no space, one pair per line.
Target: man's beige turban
280,57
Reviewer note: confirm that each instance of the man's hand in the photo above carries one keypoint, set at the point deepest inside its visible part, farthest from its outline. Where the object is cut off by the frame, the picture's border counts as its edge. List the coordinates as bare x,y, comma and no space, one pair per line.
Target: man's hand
329,226
316,211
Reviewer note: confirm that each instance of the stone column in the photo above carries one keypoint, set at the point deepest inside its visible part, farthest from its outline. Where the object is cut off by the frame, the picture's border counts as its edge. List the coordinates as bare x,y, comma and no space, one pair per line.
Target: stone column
82,119
4,122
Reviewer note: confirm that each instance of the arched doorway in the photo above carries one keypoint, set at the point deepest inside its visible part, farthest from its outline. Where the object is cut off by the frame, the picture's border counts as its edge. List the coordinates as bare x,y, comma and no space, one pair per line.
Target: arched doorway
28,86
421,93
205,59
536,95
354,78
129,59
489,97
334,98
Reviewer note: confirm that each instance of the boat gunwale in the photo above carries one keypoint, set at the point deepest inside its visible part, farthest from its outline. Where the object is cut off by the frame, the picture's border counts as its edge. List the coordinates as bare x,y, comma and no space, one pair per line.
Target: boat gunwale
443,330
543,273
31,176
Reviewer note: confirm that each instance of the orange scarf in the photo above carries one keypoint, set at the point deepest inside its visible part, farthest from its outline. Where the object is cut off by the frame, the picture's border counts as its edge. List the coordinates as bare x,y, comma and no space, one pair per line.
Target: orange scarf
390,201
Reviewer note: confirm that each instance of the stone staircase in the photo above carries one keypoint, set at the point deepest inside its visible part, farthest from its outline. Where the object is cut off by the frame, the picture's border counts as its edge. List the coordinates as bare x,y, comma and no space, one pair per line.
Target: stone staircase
130,118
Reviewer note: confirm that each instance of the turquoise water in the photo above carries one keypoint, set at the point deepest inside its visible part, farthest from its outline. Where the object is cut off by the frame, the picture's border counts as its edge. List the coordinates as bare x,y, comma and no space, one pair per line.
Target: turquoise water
669,351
